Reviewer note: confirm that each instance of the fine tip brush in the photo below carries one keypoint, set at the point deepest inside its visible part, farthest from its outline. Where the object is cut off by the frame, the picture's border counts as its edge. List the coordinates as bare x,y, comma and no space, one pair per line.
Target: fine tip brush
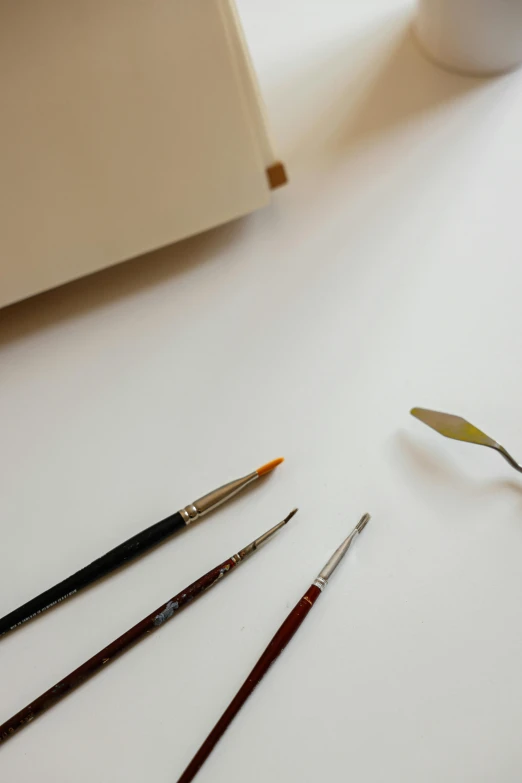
272,652
152,622
129,550
459,429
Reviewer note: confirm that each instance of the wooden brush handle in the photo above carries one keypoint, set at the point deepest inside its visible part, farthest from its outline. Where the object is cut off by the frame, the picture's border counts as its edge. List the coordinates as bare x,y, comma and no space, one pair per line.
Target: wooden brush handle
120,645
272,652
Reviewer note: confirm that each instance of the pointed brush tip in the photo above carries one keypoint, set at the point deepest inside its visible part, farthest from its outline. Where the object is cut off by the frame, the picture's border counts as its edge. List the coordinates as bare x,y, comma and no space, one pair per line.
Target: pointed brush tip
264,469
290,515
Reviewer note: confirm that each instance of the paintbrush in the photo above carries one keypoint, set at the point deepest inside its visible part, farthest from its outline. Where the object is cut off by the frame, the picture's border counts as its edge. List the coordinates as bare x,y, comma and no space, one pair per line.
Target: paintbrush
272,652
130,550
142,629
459,429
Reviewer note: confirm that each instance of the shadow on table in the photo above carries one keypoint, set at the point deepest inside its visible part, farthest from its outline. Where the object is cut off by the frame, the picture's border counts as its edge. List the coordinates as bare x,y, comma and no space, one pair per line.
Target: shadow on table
117,282
426,467
363,86
405,86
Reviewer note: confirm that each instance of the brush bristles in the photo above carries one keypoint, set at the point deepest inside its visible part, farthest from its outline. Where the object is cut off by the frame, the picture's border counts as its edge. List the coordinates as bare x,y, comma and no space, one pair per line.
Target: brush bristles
269,466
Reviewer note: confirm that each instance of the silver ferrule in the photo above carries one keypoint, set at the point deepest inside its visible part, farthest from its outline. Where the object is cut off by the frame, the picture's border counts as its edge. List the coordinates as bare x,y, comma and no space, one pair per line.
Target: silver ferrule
216,498
320,583
251,548
331,565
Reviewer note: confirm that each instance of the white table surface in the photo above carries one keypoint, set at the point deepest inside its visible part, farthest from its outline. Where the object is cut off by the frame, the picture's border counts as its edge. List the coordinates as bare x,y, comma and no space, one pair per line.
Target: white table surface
386,275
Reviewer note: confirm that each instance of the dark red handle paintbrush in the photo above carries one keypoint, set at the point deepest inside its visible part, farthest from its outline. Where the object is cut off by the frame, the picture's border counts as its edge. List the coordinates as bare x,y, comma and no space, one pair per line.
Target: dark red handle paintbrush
274,649
125,641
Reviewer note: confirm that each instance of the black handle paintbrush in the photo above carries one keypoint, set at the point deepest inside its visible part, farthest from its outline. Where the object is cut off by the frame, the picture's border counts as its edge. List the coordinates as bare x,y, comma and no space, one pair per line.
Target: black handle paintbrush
129,550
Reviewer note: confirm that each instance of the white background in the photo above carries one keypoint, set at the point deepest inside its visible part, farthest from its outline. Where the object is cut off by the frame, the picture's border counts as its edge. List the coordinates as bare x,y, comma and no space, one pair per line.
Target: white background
386,275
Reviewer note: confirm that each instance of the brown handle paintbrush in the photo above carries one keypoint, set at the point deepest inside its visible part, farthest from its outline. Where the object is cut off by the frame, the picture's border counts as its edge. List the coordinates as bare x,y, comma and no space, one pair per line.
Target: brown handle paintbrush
272,652
139,631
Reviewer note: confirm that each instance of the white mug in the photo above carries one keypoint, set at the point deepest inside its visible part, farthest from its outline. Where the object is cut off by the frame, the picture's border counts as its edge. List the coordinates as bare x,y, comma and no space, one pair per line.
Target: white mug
473,36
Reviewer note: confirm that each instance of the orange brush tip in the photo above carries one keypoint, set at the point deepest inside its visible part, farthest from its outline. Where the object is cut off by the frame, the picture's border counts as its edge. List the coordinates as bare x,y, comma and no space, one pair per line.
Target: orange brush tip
269,466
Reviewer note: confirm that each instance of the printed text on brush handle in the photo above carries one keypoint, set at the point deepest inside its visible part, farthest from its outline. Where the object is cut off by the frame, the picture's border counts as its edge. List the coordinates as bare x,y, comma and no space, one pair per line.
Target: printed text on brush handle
115,558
